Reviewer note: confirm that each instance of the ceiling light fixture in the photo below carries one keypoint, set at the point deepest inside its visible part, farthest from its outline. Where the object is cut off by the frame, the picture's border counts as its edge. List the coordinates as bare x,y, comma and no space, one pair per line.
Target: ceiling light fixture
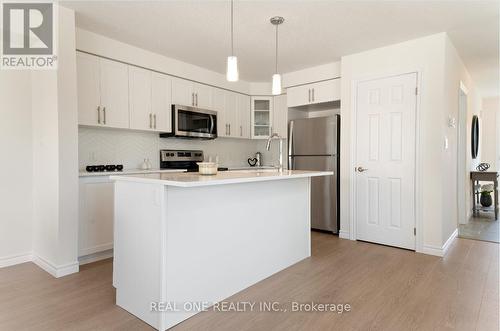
232,61
276,89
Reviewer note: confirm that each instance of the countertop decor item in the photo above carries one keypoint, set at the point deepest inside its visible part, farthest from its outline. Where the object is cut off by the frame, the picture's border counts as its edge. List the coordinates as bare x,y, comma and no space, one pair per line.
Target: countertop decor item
146,165
483,167
207,168
252,162
104,168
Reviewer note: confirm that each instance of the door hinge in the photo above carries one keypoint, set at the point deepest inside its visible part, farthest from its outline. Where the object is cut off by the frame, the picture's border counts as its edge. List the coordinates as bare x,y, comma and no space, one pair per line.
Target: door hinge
416,90
414,231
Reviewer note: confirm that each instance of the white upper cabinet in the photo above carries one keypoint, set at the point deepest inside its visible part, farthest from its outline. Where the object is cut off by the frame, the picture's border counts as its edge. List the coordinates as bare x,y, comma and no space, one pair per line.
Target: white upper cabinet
314,93
280,116
102,92
219,105
114,94
202,96
244,115
187,93
231,114
141,116
261,117
89,95
182,92
150,100
161,102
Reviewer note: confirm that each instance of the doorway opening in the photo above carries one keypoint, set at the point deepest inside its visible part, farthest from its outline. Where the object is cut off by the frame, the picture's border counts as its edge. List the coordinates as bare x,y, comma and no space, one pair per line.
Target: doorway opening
480,225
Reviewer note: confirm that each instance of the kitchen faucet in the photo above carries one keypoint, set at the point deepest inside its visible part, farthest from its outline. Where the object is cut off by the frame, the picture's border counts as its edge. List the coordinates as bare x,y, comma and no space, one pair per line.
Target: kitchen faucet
268,145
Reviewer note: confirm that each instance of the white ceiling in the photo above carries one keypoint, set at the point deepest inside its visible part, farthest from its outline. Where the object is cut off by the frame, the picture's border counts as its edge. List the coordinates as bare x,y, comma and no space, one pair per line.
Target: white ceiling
314,32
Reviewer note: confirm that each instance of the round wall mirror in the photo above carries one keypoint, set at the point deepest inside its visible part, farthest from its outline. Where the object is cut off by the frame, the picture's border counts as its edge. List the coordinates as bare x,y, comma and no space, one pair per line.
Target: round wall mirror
475,136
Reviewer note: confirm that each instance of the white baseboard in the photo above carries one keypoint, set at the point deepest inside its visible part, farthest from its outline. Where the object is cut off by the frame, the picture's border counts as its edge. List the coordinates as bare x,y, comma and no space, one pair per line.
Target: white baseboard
56,270
8,261
95,257
448,242
344,234
440,251
95,249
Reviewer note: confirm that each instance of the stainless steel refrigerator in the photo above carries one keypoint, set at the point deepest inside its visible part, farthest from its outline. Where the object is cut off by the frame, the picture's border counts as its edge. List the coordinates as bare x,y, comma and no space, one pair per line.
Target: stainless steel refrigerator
313,144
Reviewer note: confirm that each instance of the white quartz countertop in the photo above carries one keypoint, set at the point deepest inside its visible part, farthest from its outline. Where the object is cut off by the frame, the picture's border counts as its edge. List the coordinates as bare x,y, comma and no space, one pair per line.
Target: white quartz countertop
129,172
194,179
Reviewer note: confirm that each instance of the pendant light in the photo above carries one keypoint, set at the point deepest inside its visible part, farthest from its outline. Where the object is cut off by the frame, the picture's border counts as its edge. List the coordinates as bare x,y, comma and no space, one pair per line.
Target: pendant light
232,61
276,89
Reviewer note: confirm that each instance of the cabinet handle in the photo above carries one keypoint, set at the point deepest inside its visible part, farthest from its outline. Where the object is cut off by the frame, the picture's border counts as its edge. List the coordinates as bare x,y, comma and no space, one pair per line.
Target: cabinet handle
229,128
154,118
104,115
98,114
150,120
192,99
309,94
196,95
313,95
226,130
241,131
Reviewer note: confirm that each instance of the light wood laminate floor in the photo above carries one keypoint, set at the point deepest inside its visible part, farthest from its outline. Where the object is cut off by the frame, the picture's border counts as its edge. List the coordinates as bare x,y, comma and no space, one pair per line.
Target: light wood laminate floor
387,288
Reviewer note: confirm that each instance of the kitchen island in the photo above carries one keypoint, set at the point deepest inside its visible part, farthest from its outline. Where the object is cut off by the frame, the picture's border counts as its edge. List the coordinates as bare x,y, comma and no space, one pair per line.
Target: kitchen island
184,241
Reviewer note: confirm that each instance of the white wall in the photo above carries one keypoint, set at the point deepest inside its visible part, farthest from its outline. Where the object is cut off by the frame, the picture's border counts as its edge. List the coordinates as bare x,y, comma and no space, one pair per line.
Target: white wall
455,74
55,175
68,139
16,167
425,55
490,132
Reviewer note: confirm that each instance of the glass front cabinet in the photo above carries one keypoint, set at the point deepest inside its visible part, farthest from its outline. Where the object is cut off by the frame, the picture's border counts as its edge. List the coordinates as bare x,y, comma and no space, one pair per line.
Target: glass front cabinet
262,114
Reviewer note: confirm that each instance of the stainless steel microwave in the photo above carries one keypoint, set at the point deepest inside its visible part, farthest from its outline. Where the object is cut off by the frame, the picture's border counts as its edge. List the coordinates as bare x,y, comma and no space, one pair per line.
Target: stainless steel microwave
192,122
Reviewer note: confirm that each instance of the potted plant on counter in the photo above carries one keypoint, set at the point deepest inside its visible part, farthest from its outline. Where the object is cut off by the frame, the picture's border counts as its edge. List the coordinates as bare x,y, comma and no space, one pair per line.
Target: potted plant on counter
486,200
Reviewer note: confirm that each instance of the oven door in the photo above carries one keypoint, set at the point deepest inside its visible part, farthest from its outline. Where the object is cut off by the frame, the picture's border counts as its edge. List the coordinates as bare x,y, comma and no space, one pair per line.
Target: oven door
194,122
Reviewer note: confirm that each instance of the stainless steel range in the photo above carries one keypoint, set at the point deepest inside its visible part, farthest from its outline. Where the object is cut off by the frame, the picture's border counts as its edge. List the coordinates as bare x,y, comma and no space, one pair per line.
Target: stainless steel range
181,159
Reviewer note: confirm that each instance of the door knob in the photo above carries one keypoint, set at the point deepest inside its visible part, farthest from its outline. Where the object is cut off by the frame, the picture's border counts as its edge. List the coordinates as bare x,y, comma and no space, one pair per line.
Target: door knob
361,169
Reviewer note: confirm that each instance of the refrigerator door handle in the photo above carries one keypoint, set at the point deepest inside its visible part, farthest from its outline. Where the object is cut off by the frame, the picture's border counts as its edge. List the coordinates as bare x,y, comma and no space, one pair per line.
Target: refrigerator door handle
290,138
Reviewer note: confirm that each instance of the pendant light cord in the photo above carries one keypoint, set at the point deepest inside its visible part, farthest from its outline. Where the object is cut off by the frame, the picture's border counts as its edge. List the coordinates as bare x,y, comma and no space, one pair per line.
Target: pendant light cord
276,49
232,30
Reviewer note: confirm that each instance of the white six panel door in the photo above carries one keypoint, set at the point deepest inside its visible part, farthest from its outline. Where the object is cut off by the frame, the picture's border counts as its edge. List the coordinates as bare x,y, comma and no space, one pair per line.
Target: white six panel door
385,160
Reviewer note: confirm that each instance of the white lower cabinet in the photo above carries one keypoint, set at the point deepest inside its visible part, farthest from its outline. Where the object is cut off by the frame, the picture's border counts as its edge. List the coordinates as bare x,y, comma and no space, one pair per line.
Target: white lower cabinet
96,205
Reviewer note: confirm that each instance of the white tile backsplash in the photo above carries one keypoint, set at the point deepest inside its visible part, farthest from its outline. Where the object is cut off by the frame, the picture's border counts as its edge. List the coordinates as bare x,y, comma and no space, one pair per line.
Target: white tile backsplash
130,148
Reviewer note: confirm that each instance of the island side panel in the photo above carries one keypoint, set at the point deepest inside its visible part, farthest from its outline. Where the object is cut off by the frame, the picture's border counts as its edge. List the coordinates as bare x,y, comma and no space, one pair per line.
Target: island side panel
222,239
138,247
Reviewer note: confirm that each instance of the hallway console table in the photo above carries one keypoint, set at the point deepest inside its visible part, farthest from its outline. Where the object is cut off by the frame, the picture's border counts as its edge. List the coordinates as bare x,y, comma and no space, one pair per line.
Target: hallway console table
483,176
